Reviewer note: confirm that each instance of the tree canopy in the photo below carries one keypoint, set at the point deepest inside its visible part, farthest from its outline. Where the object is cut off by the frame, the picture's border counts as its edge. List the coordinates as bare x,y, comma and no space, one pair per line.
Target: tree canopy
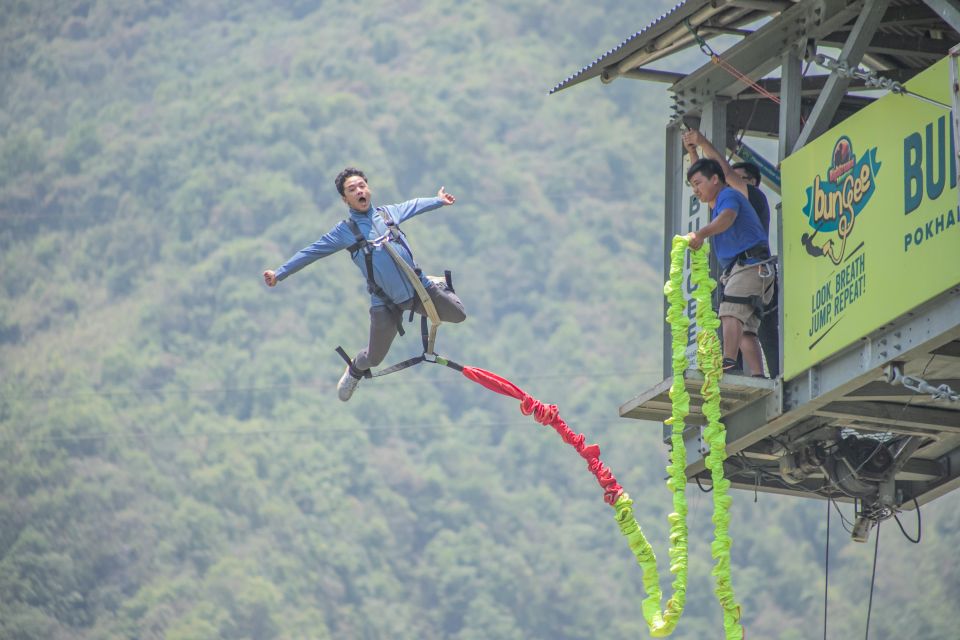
174,462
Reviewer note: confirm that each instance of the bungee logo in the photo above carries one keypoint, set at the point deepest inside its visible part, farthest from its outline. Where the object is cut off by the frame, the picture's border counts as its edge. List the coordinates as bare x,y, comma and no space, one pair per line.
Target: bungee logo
833,204
832,207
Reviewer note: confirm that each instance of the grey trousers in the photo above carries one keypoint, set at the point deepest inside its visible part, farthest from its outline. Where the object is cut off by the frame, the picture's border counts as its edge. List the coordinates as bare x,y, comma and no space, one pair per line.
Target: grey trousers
383,323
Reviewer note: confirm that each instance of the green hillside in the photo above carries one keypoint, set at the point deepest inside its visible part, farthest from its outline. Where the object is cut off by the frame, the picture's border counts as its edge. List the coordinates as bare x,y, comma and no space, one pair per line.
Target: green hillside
174,462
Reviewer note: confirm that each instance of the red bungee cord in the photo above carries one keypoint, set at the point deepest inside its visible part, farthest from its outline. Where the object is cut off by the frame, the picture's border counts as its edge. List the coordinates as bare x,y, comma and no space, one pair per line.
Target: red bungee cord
549,415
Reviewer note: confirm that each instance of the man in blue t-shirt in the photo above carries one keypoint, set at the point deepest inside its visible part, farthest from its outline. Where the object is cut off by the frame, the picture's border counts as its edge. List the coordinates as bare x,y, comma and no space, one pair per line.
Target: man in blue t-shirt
740,245
745,178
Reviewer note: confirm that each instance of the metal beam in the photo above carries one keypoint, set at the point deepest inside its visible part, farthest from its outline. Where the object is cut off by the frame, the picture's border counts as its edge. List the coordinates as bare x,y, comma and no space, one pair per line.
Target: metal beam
935,490
904,454
852,52
918,468
724,31
760,115
948,10
886,391
751,415
894,414
813,85
771,6
713,122
911,15
806,489
759,53
757,116
668,77
872,427
951,349
672,218
896,44
661,35
911,336
790,88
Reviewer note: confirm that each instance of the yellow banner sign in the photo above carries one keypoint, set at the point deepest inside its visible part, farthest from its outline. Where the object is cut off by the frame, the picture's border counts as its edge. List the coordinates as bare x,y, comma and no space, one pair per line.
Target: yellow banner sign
871,224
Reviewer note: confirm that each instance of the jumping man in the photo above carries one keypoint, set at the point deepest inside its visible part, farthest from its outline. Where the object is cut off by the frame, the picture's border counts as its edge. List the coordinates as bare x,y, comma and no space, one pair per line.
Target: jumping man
390,292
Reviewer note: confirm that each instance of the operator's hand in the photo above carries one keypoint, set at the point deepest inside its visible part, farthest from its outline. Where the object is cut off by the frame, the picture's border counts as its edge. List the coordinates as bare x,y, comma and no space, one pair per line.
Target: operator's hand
446,197
270,278
692,139
695,240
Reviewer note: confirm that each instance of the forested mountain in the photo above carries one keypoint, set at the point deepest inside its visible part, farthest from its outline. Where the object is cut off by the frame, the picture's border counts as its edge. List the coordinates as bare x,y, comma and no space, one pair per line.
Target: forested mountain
174,462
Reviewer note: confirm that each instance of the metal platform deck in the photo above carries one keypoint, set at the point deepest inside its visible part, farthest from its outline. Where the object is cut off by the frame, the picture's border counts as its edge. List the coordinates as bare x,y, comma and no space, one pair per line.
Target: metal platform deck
845,397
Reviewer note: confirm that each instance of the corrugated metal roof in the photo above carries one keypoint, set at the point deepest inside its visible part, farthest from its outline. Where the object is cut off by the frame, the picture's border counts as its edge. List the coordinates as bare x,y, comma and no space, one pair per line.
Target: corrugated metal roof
666,35
635,42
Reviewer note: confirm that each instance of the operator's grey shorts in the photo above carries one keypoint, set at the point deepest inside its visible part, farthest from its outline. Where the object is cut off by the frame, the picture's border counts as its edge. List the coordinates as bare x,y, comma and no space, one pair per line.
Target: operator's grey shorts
743,281
383,322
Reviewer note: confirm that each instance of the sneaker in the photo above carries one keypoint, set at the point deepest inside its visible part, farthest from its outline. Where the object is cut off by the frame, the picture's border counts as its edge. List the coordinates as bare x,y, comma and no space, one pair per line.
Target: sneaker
730,367
348,383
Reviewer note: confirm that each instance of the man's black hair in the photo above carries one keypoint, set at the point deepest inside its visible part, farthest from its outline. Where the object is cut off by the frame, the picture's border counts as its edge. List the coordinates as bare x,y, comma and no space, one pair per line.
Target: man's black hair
752,170
708,168
349,172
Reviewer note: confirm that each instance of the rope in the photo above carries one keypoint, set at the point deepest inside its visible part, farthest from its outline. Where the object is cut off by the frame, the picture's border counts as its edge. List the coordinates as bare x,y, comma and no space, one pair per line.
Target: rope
733,71
873,578
729,68
726,66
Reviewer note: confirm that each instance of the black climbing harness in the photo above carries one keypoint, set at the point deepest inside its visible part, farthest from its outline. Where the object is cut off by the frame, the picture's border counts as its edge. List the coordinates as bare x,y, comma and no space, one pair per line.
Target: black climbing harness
768,270
427,333
362,244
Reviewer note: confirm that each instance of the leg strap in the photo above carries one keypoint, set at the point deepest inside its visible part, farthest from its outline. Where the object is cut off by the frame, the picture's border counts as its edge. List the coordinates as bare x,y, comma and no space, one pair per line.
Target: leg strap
400,366
754,301
356,373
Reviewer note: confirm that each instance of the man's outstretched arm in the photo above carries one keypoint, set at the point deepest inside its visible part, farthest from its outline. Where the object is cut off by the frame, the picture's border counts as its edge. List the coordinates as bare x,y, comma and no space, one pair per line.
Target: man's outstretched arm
411,208
718,225
693,139
338,238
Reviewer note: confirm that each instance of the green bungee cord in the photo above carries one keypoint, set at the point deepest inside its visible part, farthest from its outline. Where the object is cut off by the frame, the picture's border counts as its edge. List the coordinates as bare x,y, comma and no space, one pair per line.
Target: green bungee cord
709,361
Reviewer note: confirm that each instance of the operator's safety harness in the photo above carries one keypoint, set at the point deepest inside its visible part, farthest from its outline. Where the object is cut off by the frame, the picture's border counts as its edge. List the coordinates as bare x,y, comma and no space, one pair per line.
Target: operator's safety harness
767,266
709,361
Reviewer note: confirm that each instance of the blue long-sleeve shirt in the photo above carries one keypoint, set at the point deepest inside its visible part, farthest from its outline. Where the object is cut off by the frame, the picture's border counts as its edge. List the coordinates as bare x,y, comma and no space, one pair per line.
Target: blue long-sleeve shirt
385,271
